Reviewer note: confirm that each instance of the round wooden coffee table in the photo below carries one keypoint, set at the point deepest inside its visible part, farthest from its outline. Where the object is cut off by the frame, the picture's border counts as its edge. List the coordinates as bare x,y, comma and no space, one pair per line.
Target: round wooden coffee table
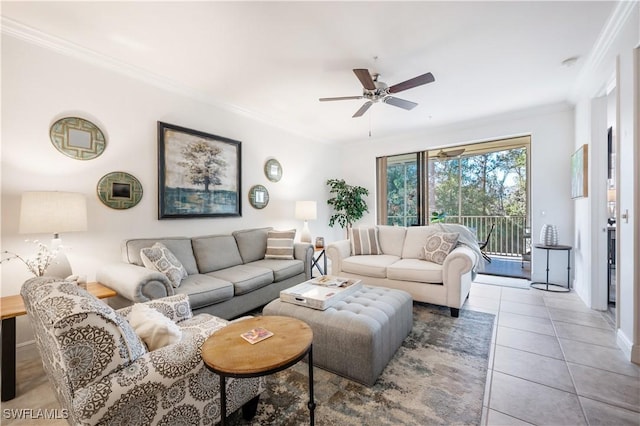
227,354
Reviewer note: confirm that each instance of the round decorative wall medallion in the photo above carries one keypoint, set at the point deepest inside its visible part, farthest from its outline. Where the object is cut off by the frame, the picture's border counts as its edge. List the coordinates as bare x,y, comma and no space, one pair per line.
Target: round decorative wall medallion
119,190
77,138
258,197
273,170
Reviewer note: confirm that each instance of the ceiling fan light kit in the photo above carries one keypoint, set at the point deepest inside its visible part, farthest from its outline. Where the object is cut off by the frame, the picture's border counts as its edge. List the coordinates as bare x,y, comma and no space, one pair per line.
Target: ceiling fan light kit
375,91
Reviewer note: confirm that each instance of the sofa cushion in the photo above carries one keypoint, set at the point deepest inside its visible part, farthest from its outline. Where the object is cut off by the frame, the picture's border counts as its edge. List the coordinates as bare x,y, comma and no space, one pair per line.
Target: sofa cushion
159,258
439,245
391,239
215,252
204,290
280,244
415,270
415,240
282,269
252,243
364,241
245,278
179,246
369,265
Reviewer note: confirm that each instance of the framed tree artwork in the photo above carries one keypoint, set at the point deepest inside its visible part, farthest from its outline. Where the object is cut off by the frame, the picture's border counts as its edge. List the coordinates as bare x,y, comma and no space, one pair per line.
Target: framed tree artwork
579,172
198,174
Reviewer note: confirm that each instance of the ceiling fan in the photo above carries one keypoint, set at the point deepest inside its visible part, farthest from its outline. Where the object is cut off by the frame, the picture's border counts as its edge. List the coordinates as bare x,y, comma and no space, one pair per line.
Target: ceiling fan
443,155
375,91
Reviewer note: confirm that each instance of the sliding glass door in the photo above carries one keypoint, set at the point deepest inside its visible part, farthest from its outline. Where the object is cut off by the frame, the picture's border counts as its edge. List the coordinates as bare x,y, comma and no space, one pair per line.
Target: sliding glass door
477,185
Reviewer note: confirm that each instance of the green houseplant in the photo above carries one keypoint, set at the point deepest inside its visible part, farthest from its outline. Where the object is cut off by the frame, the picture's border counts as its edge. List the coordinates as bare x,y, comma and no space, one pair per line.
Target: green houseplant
347,202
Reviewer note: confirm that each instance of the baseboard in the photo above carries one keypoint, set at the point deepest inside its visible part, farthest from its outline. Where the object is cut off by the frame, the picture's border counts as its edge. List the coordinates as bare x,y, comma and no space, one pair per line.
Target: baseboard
631,351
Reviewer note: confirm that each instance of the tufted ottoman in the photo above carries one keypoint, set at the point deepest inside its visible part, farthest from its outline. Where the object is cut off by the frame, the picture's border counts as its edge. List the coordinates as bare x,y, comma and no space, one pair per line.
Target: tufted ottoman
357,336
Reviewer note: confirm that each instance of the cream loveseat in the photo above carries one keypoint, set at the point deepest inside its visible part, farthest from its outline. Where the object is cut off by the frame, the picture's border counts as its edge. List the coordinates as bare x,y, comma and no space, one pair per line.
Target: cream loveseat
226,275
398,261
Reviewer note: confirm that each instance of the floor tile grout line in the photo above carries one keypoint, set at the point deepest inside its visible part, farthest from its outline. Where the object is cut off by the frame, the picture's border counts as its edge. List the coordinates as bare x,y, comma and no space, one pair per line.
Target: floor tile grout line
494,340
573,381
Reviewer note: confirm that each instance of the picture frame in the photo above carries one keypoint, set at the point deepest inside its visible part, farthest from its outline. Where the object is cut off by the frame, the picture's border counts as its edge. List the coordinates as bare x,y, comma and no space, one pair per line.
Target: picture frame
199,174
579,172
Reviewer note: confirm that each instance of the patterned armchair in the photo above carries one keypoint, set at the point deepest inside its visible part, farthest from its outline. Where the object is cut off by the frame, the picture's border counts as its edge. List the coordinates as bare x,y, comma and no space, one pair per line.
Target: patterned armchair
103,373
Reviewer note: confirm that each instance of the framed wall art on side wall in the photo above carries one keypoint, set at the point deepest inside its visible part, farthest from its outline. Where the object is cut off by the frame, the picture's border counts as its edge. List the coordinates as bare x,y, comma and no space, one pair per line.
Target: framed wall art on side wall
199,174
579,172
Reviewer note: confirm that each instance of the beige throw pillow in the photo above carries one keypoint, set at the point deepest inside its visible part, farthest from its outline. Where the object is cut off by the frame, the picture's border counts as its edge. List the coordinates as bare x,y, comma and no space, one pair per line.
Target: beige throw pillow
364,241
439,245
153,328
159,258
280,244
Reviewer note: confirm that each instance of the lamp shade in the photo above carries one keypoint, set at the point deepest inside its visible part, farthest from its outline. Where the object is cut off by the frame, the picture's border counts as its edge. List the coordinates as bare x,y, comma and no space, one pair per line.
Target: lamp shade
306,210
52,212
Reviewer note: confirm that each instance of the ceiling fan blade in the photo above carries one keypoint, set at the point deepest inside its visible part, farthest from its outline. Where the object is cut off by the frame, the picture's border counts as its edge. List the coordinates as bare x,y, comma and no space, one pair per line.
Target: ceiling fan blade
362,109
340,98
414,82
401,103
443,155
365,78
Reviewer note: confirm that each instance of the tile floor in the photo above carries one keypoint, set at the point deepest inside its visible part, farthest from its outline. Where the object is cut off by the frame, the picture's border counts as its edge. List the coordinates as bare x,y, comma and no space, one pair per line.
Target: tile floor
553,362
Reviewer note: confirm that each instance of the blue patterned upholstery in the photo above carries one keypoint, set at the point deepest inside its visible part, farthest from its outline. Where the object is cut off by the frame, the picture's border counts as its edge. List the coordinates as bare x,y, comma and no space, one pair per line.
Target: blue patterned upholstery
104,374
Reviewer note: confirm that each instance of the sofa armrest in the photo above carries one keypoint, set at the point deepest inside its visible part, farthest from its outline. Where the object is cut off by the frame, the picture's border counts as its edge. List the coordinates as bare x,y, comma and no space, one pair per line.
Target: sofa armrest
456,274
135,283
336,251
304,252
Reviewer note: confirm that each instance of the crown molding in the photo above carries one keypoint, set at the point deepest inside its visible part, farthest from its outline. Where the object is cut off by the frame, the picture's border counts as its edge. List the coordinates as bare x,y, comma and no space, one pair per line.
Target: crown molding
56,44
621,13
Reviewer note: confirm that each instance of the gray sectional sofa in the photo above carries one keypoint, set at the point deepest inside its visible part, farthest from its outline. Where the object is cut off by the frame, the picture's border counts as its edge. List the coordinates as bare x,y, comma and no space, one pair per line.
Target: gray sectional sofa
228,275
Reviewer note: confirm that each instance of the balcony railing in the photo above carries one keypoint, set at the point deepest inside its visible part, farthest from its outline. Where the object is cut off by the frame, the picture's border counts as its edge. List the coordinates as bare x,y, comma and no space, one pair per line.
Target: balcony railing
508,236
507,239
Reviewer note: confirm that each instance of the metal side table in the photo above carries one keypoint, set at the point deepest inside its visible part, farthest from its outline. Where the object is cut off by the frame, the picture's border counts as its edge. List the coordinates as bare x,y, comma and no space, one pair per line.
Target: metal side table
547,286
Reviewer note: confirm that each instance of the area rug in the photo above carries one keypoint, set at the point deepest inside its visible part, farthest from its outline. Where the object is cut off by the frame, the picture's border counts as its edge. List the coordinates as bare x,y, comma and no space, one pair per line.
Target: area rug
437,377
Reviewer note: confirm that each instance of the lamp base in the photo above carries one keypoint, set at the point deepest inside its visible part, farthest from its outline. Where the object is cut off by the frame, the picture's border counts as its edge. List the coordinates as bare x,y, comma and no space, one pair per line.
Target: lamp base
59,267
305,235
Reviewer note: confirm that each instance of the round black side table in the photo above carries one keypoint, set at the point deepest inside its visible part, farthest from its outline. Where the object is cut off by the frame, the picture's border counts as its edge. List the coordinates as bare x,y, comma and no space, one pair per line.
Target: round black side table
547,286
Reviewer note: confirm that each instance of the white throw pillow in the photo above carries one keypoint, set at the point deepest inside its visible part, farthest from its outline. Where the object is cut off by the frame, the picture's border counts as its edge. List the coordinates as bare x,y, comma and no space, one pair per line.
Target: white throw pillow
155,330
159,258
439,245
280,244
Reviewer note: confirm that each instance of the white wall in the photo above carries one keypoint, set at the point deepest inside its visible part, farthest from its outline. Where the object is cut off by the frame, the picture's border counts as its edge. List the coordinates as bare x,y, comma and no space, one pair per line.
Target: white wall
551,130
616,58
40,86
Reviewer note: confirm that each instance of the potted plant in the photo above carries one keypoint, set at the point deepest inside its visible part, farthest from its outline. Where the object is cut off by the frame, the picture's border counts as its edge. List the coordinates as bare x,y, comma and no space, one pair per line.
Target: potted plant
347,202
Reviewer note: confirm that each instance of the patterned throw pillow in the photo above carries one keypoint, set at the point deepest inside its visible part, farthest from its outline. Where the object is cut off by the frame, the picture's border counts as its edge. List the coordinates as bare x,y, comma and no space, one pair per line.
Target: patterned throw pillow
439,245
280,244
364,241
159,258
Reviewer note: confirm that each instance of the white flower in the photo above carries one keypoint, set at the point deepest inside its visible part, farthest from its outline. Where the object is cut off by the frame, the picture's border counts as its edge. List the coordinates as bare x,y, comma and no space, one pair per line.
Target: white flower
38,264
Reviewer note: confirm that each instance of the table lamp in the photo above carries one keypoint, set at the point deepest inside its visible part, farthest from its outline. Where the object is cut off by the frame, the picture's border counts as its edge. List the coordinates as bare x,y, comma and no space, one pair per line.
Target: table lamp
53,212
306,210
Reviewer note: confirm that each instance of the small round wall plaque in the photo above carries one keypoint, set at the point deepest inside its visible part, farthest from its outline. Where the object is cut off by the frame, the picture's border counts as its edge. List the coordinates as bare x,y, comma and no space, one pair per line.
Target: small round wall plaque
273,170
258,196
119,190
77,138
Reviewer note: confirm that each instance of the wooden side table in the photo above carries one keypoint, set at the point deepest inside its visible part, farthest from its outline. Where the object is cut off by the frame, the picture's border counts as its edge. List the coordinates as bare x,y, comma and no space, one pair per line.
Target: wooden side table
547,286
227,354
10,308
